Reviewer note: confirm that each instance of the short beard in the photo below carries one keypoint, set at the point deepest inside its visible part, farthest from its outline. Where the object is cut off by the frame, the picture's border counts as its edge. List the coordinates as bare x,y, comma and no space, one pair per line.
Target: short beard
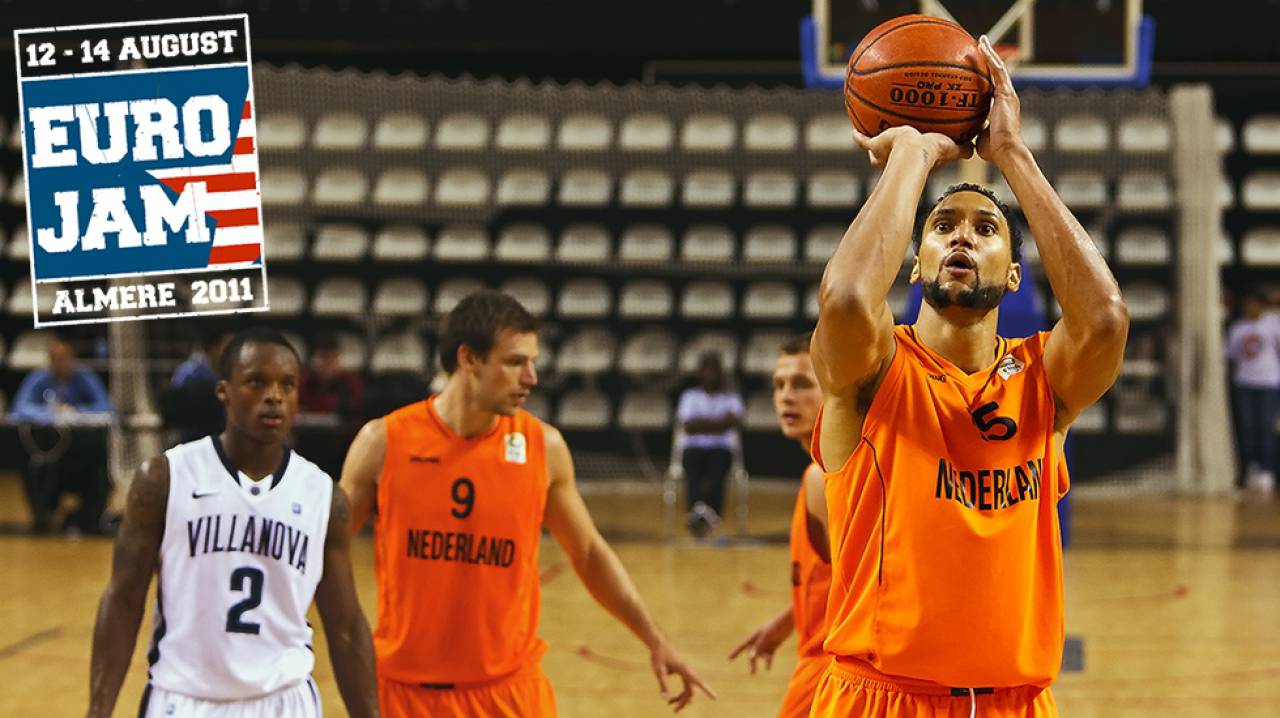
981,296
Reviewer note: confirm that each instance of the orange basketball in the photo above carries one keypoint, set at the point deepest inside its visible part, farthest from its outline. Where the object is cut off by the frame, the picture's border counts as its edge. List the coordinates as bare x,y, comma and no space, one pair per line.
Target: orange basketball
920,71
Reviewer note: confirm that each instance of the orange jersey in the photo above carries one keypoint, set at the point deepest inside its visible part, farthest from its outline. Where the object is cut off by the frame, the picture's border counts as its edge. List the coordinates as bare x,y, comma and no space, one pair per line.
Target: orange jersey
456,548
947,561
810,579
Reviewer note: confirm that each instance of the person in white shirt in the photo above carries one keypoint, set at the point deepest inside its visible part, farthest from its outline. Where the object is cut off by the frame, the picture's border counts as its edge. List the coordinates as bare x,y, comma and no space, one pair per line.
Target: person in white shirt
709,414
1253,346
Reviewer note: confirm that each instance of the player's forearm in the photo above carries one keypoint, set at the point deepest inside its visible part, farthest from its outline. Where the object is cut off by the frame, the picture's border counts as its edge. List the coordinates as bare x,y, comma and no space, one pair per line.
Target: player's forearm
609,584
1082,283
351,652
114,634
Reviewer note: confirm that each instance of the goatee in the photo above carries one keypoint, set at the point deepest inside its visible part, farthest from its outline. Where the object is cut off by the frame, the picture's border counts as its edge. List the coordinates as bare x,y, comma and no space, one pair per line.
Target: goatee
979,296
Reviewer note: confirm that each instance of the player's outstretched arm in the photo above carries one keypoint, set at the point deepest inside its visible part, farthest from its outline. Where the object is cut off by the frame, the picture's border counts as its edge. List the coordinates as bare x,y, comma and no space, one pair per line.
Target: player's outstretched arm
603,574
360,472
1085,349
137,550
764,641
345,627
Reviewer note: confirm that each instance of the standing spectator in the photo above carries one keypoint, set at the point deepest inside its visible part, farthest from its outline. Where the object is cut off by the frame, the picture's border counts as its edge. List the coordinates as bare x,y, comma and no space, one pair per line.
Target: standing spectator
190,403
329,390
55,403
1253,346
709,414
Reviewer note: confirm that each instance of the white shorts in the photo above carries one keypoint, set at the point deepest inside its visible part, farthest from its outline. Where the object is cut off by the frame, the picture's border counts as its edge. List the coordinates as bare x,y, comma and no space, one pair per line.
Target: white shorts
300,700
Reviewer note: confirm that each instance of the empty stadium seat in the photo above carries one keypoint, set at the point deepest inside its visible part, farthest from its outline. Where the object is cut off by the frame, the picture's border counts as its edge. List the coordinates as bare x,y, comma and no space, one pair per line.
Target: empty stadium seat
286,296
1082,133
760,414
400,243
1143,134
1226,192
645,299
769,300
19,304
1034,132
646,188
811,302
1143,246
1141,415
523,242
19,245
340,131
524,187
1147,301
452,291
585,188
1226,249
708,132
722,343
590,351
821,242
280,131
940,180
833,189
283,186
462,243
1100,239
769,243
1224,135
707,243
401,131
1082,190
1144,191
1135,367
708,188
584,243
652,351
462,187
400,297
29,351
646,243
340,243
401,187
829,132
770,188
523,132
770,132
761,352
584,132
18,190
646,132
707,300
1261,135
644,411
462,132
584,410
339,187
352,350
1261,190
1260,247
538,405
339,297
1093,420
584,299
532,294
405,352
284,241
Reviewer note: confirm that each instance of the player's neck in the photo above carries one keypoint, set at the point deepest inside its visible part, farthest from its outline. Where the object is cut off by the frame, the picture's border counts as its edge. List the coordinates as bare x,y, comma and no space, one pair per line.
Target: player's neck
460,412
254,459
967,340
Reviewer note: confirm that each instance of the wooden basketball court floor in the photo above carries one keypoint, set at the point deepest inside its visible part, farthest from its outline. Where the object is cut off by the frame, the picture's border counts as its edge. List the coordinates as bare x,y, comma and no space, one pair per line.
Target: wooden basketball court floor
1175,603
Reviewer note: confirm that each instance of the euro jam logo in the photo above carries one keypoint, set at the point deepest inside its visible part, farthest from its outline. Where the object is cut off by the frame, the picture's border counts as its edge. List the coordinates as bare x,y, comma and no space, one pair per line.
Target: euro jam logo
141,170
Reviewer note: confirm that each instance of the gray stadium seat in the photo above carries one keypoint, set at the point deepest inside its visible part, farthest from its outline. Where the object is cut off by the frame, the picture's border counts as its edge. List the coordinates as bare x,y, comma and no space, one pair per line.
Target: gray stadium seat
462,132
645,299
1226,249
1140,415
339,297
401,187
1260,247
646,132
340,242
462,187
1082,190
646,243
524,187
19,304
833,189
401,131
761,352
1034,132
584,243
1082,133
584,299
286,295
532,294
400,243
453,291
19,245
769,244
340,131
18,190
772,189
405,352
720,342
352,349
1261,135
760,415
538,405
462,243
585,188
707,243
283,186
821,242
523,242
708,188
1224,135
29,350
590,351
644,411
1261,190
339,187
523,132
707,300
400,297
646,187
939,181
1143,246
1144,191
770,132
648,352
769,300
1143,134
584,410
1226,192
585,132
284,241
829,132
1093,420
708,132
1147,301
280,131
811,302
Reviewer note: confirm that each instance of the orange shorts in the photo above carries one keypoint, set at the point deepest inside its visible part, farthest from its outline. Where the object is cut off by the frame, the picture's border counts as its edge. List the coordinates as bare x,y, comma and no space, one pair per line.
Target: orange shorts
802,686
524,694
851,689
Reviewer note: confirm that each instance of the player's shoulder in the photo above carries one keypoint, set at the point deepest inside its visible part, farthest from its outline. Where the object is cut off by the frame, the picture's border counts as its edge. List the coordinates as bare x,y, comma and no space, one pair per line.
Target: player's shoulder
550,434
1031,347
307,469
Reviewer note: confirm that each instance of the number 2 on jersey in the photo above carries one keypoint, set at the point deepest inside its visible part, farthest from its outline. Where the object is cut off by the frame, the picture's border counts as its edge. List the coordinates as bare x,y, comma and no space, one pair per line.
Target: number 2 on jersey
235,616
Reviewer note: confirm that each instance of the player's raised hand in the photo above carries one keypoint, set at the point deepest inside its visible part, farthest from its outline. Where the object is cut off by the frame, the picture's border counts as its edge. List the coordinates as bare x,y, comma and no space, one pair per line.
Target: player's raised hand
667,663
941,149
1004,122
764,641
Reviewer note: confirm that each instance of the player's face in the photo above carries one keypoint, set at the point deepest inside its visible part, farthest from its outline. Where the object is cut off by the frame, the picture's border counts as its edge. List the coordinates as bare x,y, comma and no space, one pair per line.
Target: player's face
796,395
507,375
965,257
261,395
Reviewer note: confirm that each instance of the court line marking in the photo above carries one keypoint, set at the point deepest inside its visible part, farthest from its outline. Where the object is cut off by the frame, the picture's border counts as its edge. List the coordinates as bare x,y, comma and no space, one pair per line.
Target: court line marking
34,639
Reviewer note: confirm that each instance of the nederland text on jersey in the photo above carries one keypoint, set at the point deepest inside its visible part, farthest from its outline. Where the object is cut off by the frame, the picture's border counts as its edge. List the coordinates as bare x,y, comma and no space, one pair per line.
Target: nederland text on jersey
249,534
431,545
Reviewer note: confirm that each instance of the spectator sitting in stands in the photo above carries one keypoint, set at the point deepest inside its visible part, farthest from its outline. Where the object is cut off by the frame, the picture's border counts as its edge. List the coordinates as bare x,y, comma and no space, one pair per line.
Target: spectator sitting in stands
1253,346
709,414
190,404
56,405
328,389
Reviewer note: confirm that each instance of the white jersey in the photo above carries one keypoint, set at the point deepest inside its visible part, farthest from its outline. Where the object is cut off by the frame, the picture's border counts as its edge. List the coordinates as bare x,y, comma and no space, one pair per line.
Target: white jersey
239,565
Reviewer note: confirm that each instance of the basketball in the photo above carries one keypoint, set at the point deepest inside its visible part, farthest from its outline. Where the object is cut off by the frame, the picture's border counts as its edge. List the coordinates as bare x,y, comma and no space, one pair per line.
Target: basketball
921,71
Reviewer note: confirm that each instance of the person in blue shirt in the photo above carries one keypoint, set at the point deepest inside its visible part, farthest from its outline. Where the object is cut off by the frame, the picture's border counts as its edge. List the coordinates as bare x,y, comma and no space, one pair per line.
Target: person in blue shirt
710,414
190,404
66,455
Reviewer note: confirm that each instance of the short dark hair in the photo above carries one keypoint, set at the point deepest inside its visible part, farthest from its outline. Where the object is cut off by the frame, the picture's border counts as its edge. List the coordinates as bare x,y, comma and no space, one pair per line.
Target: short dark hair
1015,228
476,322
798,344
264,335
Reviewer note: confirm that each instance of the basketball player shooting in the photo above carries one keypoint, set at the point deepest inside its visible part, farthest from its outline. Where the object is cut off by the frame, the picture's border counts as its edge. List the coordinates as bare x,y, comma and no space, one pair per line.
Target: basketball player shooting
797,397
461,485
942,441
243,533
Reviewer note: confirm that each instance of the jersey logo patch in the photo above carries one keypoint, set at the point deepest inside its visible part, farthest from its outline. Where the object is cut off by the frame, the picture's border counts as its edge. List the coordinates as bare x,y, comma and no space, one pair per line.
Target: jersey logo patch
514,445
1009,366
297,507
199,495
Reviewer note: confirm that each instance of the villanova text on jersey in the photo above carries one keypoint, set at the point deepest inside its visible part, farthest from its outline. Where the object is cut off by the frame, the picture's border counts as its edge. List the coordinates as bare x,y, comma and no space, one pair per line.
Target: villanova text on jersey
249,533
